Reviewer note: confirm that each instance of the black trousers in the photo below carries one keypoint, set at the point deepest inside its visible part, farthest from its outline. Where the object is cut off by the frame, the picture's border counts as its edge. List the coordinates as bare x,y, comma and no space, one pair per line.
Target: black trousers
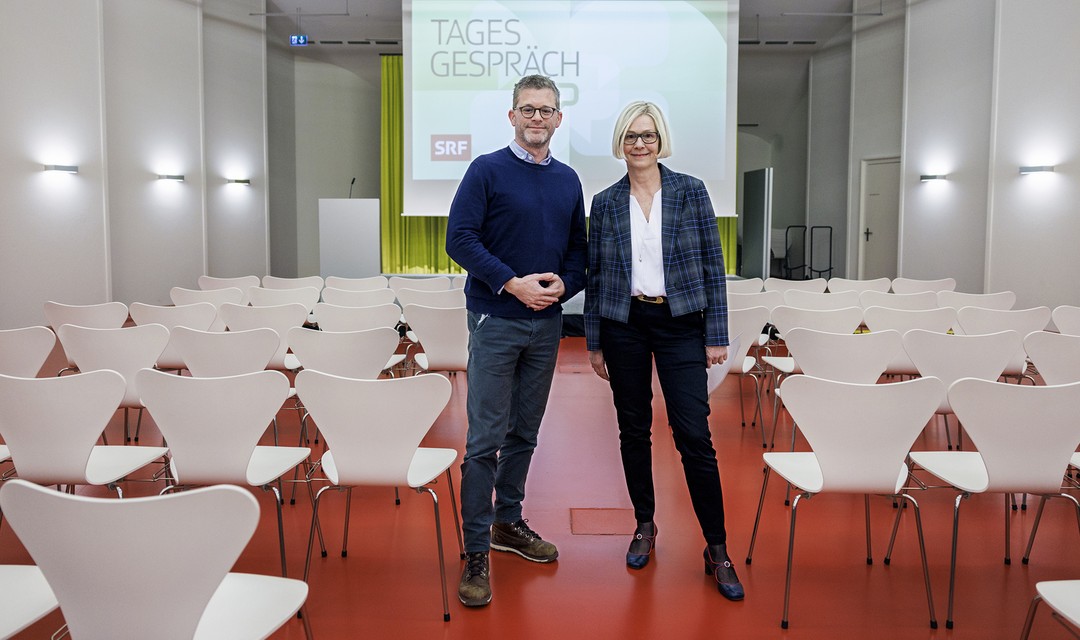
678,346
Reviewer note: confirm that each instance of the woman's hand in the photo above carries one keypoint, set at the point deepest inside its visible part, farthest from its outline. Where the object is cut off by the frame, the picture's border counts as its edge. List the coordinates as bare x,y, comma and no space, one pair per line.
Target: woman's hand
714,355
596,359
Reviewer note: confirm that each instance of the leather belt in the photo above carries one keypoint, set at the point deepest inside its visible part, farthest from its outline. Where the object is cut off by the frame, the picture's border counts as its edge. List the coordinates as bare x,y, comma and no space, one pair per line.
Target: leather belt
649,299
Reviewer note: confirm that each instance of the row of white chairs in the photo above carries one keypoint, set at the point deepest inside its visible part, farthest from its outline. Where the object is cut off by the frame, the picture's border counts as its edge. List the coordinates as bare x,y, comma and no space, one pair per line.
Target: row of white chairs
1002,300
836,285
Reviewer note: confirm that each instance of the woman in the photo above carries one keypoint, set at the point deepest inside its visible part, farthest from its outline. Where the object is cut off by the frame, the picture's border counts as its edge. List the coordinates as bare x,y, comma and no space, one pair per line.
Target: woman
656,290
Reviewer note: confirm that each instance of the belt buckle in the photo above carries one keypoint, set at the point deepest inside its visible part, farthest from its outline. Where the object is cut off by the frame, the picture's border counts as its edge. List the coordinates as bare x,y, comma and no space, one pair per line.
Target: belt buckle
650,299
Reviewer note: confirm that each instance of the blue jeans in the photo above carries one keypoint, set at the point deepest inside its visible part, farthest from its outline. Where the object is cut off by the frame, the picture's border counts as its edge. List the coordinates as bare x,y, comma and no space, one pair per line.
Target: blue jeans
511,363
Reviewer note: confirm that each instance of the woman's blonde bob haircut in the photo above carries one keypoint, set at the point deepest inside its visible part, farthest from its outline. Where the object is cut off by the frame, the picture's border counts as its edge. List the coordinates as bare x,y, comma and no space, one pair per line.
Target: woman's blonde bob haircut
627,117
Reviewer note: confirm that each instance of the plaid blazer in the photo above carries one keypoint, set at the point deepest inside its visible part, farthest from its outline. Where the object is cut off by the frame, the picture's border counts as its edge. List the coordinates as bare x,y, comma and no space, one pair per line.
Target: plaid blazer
694,275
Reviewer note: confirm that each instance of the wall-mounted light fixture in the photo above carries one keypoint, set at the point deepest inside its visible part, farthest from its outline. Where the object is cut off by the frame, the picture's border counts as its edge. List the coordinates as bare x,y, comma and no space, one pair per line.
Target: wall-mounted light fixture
62,168
175,178
243,181
1036,169
927,177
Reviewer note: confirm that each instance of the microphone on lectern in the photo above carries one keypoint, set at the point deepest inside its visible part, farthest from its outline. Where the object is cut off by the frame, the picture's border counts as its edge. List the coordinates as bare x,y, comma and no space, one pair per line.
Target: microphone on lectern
351,186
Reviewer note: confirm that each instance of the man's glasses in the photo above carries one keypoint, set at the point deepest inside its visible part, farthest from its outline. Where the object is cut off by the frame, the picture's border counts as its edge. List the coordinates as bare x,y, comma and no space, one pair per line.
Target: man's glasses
648,137
545,112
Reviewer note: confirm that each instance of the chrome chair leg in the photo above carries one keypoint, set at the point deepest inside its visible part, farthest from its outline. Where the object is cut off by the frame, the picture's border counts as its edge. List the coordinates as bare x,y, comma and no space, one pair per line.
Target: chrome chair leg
790,555
442,562
922,553
311,534
1030,617
866,504
757,518
345,537
457,518
952,561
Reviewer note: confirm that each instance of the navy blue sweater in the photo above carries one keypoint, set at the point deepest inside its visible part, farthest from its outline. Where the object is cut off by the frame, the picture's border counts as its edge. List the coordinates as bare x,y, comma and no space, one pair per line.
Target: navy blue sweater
514,218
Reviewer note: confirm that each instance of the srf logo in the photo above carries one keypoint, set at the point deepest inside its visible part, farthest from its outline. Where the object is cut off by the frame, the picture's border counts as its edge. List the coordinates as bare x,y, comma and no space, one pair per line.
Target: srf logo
451,147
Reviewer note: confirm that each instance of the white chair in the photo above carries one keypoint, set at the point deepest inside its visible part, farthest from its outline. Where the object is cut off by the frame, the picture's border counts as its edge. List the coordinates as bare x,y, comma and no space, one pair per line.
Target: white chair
190,413
817,285
108,315
263,297
384,448
1067,319
333,317
973,320
155,567
837,285
768,299
919,301
443,299
1063,596
209,354
25,598
349,354
443,333
51,424
744,285
243,283
458,282
23,351
125,351
357,284
820,301
280,318
274,282
912,285
952,357
902,321
749,323
1002,300
216,297
1056,357
366,298
859,435
200,316
433,283
1009,458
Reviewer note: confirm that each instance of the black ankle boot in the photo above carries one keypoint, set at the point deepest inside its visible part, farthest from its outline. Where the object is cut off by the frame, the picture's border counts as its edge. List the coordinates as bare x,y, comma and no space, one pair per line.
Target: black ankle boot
718,565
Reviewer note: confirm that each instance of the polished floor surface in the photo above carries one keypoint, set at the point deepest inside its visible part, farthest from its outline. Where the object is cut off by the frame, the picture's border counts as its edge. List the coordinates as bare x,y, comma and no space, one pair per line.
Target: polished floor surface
387,586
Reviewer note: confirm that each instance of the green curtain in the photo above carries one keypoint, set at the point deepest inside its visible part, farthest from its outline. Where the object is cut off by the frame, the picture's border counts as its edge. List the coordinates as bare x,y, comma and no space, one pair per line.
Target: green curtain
417,245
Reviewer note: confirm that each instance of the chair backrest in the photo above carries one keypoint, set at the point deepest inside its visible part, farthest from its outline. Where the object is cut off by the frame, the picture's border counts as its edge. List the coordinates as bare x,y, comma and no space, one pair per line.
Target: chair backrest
817,285
365,298
263,297
974,320
274,282
350,354
24,351
845,320
861,433
1055,355
280,318
911,285
951,357
216,297
1067,319
199,315
837,285
357,284
744,285
212,425
768,299
122,549
443,333
1019,459
210,354
124,351
50,425
338,318
858,358
908,301
397,414
243,283
459,281
1001,300
748,325
820,301
904,320
443,299
433,283
107,315
717,373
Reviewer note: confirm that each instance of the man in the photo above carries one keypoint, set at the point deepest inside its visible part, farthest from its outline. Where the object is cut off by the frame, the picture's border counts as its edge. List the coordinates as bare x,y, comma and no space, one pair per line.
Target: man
517,225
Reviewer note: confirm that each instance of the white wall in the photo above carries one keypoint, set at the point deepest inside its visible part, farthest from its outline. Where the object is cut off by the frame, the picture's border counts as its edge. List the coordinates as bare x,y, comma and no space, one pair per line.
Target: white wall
947,131
117,88
1035,219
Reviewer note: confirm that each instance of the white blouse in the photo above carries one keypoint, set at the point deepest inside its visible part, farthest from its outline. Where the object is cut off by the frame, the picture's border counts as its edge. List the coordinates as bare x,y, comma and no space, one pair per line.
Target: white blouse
647,256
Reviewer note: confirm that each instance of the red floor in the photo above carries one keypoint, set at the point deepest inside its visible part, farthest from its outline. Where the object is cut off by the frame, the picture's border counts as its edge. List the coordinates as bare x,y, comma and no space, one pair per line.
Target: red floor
387,586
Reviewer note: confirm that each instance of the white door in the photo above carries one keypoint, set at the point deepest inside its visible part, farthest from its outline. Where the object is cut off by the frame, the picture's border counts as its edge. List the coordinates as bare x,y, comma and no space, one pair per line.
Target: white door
879,218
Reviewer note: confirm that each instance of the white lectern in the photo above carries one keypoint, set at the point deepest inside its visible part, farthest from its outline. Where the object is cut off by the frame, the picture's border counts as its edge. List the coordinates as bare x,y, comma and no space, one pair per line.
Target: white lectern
350,244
